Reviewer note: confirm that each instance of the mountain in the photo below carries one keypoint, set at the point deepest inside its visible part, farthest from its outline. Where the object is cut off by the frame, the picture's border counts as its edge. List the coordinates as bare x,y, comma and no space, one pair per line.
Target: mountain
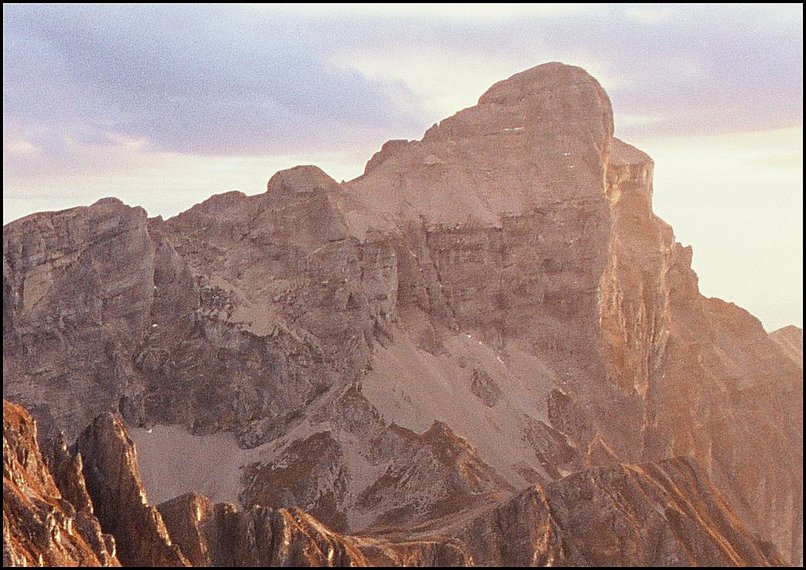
43,524
790,339
490,309
53,512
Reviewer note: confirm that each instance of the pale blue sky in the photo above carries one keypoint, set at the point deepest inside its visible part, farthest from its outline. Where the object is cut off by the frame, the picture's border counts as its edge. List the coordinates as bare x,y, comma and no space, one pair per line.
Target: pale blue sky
165,105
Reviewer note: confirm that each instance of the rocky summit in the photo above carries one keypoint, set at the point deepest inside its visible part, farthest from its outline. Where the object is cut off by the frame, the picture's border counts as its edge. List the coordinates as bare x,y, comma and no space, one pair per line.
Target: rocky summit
486,350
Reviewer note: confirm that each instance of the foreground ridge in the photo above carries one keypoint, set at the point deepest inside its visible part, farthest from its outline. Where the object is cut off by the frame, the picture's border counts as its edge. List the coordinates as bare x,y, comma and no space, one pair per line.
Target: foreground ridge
603,516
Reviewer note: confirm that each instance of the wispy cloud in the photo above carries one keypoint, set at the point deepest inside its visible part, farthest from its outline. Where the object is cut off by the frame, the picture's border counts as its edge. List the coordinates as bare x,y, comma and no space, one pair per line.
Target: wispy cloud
81,83
201,79
710,68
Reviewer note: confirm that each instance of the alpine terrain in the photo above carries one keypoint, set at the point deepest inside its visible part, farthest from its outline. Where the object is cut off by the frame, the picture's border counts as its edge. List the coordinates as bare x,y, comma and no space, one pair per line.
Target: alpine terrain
486,350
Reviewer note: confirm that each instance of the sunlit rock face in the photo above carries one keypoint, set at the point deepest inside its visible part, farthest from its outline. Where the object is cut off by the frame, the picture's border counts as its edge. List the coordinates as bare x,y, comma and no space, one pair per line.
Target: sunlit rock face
48,518
664,513
113,481
790,338
488,309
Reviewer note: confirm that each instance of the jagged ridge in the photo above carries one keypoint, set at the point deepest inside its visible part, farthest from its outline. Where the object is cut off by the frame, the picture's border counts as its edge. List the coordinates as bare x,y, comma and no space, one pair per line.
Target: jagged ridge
505,277
597,517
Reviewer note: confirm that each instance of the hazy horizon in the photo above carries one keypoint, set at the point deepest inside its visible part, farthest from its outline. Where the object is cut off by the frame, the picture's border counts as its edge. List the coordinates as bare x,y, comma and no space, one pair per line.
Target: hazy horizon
163,106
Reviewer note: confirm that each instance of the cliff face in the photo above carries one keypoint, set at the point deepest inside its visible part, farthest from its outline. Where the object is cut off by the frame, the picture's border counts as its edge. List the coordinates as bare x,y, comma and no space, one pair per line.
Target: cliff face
43,524
77,294
715,396
492,307
113,481
659,514
616,515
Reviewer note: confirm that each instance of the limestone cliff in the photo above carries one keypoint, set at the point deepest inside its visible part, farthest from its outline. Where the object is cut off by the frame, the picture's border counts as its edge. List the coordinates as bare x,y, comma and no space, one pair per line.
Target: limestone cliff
653,514
42,524
490,308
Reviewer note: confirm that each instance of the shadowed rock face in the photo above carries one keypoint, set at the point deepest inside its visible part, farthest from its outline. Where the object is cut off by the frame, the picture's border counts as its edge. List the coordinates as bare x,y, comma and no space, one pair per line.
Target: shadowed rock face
113,482
492,307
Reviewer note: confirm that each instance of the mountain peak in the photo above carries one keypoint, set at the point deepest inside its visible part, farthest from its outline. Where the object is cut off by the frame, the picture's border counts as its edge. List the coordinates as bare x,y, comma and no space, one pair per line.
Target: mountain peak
543,133
301,180
532,81
500,290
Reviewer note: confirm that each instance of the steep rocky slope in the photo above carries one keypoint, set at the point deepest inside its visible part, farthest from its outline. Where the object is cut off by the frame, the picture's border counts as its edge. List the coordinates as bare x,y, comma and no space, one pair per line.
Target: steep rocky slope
492,307
790,338
654,514
113,482
44,525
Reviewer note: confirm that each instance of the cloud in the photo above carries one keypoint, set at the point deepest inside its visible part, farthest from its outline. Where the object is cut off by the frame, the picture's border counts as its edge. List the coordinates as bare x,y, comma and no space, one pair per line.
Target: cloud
88,85
202,79
698,69
484,12
650,14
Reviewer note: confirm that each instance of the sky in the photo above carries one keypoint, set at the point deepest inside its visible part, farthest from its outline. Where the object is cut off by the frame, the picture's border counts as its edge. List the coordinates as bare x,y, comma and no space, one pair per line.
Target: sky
164,105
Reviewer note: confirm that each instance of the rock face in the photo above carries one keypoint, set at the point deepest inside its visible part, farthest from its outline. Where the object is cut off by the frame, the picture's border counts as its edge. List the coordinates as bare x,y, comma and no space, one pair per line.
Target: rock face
604,516
218,535
654,514
491,308
790,338
77,293
113,482
44,525
592,518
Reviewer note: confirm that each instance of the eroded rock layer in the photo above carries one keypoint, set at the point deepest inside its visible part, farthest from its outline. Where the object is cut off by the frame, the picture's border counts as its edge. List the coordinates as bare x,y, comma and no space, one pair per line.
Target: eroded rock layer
493,307
44,525
665,513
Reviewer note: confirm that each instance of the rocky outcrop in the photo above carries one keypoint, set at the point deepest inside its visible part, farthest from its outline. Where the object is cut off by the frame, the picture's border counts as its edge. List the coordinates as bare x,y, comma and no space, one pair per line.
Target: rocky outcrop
113,482
286,320
43,525
716,397
362,473
77,294
591,519
219,535
492,307
790,339
665,513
